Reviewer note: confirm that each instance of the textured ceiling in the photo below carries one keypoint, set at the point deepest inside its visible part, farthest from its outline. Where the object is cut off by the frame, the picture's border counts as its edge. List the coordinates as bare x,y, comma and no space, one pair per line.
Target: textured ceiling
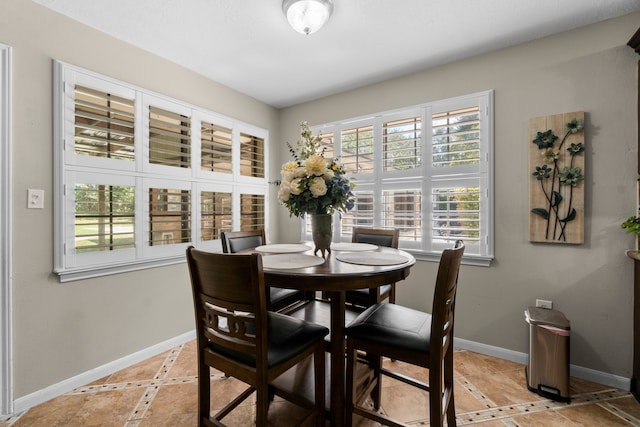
249,46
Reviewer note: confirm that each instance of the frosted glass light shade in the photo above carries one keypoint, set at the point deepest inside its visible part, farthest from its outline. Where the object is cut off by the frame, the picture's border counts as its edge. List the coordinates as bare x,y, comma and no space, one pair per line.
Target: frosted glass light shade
307,16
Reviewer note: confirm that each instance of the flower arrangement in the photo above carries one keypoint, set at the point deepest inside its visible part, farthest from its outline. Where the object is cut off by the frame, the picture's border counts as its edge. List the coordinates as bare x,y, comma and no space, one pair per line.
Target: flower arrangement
558,174
312,184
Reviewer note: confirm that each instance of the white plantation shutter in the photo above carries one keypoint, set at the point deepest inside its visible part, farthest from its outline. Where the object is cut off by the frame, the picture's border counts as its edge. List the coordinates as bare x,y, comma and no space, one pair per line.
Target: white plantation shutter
104,124
456,137
357,150
402,144
216,214
362,213
252,212
456,214
169,216
104,217
169,138
402,209
216,148
251,156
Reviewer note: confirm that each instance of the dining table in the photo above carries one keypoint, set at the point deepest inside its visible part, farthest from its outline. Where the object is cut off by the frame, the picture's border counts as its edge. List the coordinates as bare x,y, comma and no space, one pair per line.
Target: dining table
348,266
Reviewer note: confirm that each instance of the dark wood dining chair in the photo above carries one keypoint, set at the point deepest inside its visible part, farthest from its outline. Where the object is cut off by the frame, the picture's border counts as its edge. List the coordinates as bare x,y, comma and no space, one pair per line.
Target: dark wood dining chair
279,299
364,298
411,336
237,335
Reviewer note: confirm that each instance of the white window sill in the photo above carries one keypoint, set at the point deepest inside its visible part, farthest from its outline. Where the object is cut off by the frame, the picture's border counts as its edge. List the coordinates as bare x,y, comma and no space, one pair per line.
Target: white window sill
477,260
71,275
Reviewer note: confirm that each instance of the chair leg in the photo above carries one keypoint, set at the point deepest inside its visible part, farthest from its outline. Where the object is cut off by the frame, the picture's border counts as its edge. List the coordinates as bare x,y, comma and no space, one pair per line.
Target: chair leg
319,380
204,393
435,407
262,404
448,388
436,413
451,412
350,391
376,393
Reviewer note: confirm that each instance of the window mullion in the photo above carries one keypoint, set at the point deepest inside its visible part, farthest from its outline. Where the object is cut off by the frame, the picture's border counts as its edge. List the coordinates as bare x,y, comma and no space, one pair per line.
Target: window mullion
377,172
427,168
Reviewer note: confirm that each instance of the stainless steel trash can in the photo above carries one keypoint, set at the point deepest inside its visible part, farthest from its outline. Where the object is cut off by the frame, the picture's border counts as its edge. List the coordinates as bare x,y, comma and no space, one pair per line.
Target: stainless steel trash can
547,370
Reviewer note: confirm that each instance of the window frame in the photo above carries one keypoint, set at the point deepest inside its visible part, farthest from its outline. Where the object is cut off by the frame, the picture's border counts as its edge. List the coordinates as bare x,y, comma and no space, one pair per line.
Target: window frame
424,178
71,168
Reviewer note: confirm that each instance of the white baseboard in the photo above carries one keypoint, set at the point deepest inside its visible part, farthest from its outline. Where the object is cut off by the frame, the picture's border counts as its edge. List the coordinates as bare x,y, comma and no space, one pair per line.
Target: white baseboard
574,370
23,403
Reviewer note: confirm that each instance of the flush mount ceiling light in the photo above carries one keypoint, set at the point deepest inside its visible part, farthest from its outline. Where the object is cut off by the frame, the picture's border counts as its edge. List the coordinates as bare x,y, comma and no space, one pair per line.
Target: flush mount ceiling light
307,16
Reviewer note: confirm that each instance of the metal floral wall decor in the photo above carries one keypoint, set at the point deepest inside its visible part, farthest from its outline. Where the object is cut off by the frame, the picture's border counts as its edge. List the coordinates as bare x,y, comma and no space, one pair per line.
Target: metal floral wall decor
556,183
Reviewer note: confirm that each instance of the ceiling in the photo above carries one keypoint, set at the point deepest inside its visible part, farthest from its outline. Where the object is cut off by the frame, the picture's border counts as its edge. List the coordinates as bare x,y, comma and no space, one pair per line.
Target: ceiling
249,46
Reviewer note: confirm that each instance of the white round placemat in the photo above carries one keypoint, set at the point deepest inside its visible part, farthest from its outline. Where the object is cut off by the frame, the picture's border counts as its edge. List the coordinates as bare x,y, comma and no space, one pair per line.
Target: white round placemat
352,247
284,261
282,248
371,258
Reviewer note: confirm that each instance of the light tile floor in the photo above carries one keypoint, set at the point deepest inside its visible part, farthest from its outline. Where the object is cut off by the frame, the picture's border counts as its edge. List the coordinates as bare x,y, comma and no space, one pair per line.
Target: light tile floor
490,392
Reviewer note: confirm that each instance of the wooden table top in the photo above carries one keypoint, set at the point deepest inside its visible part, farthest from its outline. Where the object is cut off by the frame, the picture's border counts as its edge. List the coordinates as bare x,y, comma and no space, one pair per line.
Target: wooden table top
336,275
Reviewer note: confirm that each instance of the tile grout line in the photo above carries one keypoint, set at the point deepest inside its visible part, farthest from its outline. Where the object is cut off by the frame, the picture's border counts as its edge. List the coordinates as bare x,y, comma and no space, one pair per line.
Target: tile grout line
145,401
481,397
509,411
93,389
620,413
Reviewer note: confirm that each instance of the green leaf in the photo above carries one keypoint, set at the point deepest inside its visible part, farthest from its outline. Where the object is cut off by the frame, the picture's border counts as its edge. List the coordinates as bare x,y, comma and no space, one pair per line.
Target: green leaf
542,212
570,217
557,198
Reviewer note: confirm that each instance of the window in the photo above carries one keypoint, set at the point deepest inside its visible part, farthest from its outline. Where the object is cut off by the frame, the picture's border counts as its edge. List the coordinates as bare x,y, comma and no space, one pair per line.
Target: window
426,170
142,176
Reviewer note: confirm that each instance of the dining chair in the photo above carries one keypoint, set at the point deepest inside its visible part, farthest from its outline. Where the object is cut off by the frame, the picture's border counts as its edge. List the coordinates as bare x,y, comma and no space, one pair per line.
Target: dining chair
279,299
411,336
364,298
237,335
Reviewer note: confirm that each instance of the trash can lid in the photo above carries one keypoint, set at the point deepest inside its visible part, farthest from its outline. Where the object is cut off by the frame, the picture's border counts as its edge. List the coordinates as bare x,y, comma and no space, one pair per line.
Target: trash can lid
544,316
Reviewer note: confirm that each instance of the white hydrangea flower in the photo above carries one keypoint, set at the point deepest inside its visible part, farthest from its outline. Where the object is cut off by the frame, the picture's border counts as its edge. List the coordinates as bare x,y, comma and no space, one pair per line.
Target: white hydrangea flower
318,187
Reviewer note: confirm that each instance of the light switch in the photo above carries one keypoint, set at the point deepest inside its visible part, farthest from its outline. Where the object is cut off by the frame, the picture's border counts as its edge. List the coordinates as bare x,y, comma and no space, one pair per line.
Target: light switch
35,199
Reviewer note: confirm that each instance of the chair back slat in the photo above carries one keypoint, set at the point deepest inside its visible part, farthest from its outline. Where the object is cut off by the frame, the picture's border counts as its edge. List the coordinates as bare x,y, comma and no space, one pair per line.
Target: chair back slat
387,237
232,329
231,299
236,241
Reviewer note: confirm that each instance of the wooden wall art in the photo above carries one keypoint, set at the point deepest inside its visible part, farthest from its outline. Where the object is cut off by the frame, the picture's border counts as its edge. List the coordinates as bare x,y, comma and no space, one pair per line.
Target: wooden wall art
556,178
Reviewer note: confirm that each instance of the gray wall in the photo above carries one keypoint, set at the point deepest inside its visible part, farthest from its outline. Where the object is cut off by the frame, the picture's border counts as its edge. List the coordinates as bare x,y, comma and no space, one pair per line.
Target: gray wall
63,330
589,69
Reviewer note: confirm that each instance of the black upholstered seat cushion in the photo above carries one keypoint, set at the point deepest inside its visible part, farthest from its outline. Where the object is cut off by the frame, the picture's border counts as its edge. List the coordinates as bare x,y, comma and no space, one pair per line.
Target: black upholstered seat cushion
361,296
393,326
277,295
286,336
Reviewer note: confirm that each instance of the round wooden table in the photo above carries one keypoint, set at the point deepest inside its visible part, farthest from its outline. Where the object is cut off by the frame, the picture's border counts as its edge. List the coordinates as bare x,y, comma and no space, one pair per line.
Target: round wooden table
334,277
